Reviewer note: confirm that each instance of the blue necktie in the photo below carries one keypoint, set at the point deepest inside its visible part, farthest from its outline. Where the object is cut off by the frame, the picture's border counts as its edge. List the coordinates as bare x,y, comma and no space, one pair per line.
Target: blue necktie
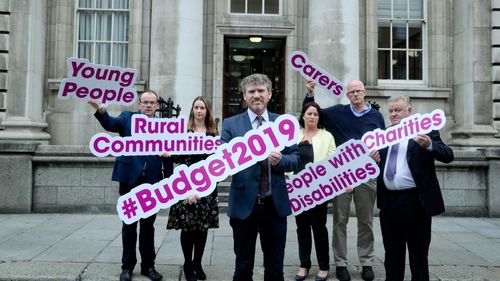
390,172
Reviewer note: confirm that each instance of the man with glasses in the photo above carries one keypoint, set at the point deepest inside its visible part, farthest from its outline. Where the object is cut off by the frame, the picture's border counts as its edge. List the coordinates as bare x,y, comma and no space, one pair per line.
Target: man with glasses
347,122
132,171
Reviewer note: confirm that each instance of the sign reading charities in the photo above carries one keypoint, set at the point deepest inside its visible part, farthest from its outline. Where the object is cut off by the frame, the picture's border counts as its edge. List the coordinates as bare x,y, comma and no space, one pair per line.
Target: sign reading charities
300,62
107,84
154,136
240,153
350,166
407,128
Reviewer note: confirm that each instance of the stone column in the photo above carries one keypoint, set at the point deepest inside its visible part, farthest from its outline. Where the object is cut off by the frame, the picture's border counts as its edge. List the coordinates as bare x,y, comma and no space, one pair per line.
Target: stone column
495,59
334,42
472,75
176,50
24,121
493,197
16,177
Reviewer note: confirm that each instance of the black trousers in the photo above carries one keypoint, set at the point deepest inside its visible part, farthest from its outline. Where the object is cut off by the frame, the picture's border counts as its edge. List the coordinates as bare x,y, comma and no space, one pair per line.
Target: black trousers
272,228
405,223
314,219
146,237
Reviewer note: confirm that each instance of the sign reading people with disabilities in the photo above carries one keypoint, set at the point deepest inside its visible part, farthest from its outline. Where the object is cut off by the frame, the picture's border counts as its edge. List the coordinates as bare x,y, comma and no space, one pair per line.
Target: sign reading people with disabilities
351,164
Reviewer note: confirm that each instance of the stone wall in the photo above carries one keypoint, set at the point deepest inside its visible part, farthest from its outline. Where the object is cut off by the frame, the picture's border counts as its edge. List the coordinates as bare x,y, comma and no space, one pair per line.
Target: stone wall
70,179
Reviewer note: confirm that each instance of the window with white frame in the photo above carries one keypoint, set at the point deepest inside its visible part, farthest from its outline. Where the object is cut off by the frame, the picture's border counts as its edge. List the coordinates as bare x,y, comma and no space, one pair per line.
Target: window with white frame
102,31
401,26
268,7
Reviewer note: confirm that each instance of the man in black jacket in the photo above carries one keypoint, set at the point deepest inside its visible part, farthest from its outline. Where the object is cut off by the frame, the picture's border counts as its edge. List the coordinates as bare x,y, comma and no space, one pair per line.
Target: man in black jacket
408,195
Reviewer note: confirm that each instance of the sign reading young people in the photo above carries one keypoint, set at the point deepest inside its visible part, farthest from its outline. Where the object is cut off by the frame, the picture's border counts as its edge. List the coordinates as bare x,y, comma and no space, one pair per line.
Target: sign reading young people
230,158
299,61
107,84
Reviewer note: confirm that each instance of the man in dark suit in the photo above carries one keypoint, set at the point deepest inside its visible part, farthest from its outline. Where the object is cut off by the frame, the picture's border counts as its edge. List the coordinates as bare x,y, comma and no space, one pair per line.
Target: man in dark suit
258,199
408,195
132,171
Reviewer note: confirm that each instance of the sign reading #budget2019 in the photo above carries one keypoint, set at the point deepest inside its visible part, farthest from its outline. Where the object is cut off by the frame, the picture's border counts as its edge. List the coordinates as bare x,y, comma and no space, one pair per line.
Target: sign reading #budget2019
107,84
240,153
299,61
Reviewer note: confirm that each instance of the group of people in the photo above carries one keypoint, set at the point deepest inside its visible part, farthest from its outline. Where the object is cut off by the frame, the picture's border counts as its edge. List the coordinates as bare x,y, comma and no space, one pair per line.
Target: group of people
407,190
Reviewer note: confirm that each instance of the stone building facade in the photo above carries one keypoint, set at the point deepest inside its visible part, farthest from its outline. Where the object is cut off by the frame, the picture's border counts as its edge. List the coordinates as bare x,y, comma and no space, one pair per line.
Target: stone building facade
442,53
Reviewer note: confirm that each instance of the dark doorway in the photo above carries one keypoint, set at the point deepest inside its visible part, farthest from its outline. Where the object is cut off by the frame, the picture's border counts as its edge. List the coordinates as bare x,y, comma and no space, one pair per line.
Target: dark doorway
242,58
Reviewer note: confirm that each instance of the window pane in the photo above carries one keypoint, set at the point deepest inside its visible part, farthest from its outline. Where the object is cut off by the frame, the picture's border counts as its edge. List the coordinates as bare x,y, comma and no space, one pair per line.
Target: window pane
102,53
399,34
85,4
272,7
120,4
120,55
237,6
384,34
415,36
86,25
384,65
400,9
384,8
416,9
85,51
254,6
104,4
399,65
415,65
103,26
120,27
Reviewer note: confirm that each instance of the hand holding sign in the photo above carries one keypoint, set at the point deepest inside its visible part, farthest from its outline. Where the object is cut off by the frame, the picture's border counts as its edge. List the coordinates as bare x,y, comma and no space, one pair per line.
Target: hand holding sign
105,83
300,62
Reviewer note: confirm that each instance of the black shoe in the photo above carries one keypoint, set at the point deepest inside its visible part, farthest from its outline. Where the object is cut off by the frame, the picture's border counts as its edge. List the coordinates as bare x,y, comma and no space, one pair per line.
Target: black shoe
189,272
319,278
302,277
200,274
152,274
367,273
126,275
342,273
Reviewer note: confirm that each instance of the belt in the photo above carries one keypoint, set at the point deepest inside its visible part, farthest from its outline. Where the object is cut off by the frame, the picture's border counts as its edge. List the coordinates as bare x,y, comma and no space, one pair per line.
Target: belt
403,191
262,200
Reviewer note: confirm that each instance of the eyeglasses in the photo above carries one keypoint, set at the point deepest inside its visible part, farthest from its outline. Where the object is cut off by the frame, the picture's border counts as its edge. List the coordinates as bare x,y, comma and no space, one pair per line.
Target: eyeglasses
357,91
148,102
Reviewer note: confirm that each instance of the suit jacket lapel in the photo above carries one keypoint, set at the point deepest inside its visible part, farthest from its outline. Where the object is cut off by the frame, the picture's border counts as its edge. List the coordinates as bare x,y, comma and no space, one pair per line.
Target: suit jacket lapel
246,121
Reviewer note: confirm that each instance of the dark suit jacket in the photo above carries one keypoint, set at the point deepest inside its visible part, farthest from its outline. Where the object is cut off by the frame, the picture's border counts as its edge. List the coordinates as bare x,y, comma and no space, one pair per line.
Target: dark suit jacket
245,185
421,164
127,169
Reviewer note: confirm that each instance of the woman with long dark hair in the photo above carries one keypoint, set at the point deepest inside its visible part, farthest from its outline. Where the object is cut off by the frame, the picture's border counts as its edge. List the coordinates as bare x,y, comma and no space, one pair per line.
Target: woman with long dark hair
195,215
315,143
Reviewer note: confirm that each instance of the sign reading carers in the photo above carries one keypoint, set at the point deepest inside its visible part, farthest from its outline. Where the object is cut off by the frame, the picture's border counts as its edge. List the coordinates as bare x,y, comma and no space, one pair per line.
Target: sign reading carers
107,84
407,128
350,166
240,153
299,61
154,136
